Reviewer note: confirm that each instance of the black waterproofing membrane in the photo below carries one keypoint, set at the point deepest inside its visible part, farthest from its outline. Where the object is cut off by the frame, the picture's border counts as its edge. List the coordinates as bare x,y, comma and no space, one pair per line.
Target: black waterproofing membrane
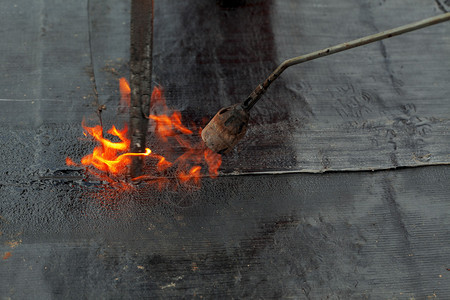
339,234
380,106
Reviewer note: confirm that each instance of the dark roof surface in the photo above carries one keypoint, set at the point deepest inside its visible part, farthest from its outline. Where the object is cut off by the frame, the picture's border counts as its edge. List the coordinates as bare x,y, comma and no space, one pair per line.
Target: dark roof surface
345,233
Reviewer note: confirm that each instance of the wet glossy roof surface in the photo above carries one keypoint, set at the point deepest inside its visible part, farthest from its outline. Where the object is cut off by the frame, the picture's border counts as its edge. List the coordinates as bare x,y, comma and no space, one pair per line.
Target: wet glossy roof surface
338,234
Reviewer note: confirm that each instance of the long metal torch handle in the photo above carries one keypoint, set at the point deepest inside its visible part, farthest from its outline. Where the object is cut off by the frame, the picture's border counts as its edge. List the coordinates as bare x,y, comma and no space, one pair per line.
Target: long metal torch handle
260,89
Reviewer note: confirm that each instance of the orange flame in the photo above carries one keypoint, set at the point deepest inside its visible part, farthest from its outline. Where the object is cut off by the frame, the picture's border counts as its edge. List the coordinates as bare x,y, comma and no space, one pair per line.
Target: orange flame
166,125
106,157
113,157
125,92
194,174
171,131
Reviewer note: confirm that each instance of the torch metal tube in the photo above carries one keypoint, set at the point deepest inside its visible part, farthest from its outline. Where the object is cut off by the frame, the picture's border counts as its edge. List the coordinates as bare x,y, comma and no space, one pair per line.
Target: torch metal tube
260,89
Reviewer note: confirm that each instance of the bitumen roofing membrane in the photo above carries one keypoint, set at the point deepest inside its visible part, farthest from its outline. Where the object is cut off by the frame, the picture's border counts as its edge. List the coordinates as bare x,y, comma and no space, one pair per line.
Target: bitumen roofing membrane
339,190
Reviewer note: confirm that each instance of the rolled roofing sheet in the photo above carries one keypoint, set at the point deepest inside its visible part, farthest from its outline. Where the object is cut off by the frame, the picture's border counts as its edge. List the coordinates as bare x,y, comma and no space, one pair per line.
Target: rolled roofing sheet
379,106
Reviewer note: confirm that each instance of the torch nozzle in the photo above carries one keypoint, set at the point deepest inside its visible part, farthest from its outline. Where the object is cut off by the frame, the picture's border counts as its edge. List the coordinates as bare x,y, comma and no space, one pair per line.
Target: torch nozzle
225,130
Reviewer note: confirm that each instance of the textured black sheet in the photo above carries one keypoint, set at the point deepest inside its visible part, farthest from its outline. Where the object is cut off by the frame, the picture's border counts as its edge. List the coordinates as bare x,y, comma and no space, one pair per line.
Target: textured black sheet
381,106
341,235
381,234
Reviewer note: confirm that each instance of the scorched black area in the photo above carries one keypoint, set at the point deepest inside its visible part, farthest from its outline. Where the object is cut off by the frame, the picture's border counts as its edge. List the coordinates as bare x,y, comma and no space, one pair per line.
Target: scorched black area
340,234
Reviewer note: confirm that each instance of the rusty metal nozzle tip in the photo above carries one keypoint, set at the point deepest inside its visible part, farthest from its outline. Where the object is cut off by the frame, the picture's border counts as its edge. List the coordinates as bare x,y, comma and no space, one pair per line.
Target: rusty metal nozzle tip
225,130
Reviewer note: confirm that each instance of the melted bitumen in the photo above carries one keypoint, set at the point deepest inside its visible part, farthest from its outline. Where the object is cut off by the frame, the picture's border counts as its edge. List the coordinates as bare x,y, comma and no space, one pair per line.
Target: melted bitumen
254,236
